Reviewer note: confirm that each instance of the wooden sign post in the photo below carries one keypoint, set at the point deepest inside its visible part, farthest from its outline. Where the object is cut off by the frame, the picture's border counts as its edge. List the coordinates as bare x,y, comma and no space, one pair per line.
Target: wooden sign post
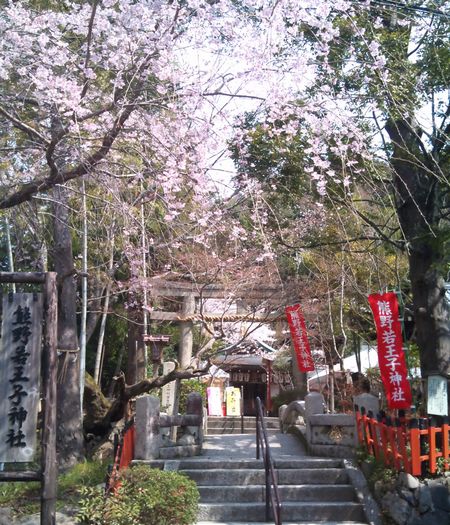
20,375
27,376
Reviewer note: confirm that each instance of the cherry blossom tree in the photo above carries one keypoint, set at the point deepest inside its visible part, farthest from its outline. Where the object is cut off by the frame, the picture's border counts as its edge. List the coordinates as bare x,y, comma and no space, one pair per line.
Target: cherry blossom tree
145,92
101,89
382,72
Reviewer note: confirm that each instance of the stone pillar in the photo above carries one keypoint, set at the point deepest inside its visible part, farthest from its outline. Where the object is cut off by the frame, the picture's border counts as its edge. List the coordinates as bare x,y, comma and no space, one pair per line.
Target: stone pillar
194,405
186,332
168,390
148,438
184,351
314,404
368,401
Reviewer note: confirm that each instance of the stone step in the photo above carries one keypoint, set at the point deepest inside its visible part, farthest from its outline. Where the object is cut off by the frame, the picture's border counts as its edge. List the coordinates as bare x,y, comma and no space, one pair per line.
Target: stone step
236,430
267,419
284,523
249,422
290,511
256,493
222,463
231,477
308,462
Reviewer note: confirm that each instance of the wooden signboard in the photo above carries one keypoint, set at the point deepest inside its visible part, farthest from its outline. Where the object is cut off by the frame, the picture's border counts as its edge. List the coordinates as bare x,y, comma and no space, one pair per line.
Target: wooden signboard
25,361
20,360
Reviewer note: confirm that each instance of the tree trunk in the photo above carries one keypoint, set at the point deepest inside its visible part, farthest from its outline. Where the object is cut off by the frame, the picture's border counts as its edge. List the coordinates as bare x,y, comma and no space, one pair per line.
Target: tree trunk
300,379
101,413
418,208
101,335
136,350
431,312
69,423
432,321
95,306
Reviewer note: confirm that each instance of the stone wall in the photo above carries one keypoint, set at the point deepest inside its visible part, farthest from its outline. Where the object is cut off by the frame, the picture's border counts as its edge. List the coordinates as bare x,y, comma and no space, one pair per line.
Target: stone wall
406,500
153,429
332,435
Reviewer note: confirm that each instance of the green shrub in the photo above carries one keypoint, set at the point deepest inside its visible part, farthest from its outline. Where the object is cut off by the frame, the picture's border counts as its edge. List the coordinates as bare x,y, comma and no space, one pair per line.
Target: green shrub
91,506
385,475
86,473
146,497
24,497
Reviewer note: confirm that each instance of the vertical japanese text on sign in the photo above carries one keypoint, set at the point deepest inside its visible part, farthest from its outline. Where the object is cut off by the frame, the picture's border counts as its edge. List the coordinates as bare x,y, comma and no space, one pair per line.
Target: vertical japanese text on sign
19,375
297,327
391,357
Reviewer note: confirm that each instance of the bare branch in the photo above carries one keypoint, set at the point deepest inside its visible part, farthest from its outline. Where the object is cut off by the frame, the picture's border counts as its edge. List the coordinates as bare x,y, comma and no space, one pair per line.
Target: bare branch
88,51
127,392
31,132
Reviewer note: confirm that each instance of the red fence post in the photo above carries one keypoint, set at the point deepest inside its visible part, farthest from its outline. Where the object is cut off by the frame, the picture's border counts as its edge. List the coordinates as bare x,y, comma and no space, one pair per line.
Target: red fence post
402,436
367,435
384,438
373,424
359,426
433,454
414,439
392,437
446,445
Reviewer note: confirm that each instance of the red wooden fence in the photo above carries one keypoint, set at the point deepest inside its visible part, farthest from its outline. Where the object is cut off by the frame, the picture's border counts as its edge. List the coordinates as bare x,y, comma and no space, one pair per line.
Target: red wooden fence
412,445
123,457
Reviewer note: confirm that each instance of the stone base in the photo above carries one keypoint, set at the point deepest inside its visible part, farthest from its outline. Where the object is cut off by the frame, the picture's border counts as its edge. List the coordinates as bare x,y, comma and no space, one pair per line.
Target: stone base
182,451
331,451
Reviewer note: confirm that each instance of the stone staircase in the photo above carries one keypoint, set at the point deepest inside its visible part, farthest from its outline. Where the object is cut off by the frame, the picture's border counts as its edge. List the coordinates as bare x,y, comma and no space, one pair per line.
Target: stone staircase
217,425
312,490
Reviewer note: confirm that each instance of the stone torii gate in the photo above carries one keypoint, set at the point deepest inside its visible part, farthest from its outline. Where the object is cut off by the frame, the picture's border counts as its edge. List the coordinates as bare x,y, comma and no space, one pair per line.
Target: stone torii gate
190,293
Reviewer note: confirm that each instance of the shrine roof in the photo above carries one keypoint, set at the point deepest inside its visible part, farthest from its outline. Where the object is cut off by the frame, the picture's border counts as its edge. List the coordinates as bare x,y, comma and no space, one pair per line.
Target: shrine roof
248,351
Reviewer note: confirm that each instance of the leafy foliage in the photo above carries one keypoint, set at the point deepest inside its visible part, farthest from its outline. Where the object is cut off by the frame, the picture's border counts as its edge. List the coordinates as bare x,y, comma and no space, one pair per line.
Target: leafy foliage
146,497
24,498
21,497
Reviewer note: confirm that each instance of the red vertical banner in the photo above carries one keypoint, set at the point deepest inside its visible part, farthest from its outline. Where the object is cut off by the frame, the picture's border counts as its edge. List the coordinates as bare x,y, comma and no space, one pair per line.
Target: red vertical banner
391,357
299,335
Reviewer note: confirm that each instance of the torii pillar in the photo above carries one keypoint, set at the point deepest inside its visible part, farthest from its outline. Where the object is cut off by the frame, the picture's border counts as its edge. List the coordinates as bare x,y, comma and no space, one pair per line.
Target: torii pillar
185,348
186,332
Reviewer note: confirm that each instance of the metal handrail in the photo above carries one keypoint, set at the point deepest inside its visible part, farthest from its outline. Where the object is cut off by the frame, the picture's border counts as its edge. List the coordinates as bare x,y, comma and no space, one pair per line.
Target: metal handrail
262,444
